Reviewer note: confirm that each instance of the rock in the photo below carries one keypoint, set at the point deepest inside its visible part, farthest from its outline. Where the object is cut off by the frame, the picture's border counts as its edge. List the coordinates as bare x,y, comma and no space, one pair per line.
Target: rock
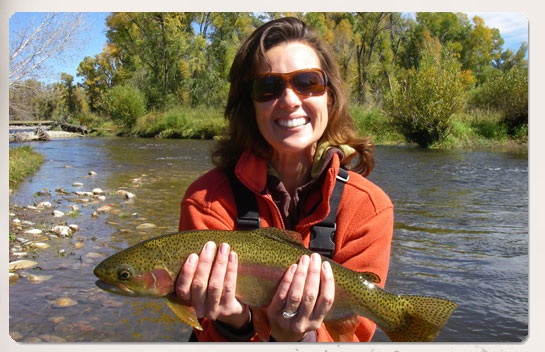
77,184
62,230
101,198
94,255
16,221
40,245
104,209
73,227
56,320
86,194
95,214
13,277
127,194
73,207
44,205
146,226
64,302
43,194
37,278
31,207
79,245
58,213
92,173
97,191
27,223
22,264
51,338
15,335
33,232
19,254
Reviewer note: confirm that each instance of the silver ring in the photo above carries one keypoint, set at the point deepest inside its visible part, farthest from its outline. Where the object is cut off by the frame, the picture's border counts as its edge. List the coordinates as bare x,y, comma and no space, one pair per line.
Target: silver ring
287,315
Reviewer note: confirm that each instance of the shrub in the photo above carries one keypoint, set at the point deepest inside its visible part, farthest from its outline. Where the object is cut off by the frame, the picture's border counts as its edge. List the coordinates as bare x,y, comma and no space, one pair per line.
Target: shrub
507,92
125,104
422,106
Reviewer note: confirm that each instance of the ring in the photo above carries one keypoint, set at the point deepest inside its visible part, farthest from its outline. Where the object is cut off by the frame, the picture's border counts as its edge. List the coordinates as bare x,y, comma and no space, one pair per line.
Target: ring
287,315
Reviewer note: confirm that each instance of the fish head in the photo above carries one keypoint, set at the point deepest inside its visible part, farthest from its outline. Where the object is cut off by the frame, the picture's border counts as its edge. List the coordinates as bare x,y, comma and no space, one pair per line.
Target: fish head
128,273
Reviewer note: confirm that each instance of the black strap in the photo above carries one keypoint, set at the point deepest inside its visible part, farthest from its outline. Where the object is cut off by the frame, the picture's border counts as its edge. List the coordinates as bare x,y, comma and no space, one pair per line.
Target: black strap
322,235
247,210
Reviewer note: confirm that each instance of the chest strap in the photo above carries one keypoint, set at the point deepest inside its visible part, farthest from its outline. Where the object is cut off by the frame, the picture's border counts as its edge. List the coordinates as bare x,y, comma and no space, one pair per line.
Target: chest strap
247,210
322,235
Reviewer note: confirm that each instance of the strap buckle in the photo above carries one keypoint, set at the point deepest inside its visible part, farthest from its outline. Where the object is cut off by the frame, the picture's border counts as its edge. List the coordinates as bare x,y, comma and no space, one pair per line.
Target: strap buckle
322,239
250,223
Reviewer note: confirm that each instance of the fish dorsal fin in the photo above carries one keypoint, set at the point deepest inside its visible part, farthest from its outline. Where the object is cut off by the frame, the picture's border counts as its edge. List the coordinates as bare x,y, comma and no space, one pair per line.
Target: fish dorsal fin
291,237
369,276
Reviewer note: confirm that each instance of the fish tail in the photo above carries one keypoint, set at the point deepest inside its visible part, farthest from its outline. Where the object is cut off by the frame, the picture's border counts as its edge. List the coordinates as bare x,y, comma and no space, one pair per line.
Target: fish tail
423,319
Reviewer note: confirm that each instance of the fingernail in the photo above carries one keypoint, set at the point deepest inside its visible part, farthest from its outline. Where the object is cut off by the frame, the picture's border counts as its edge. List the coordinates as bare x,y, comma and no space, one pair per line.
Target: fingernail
233,257
209,246
293,268
192,259
315,258
224,248
326,266
304,260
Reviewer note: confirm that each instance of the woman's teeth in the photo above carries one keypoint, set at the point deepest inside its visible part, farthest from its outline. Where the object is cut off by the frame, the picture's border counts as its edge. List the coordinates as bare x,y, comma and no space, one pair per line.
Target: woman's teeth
292,122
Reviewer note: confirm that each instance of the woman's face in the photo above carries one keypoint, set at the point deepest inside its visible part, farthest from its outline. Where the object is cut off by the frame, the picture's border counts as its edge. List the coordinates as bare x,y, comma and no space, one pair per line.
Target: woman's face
291,123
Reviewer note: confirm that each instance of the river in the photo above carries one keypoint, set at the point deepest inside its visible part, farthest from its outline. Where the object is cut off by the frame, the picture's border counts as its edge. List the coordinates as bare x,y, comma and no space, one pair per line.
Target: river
461,232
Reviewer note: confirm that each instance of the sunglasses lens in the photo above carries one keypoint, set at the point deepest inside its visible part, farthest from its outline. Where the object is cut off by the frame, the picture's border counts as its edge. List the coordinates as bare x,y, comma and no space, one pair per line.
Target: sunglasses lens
305,83
309,83
267,88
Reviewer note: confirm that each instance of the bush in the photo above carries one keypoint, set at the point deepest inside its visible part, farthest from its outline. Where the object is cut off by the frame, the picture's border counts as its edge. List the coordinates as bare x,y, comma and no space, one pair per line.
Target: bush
422,106
506,92
125,104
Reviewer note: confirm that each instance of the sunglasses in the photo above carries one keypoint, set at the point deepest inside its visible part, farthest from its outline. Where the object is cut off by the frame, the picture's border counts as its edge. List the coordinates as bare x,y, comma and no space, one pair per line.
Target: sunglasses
307,82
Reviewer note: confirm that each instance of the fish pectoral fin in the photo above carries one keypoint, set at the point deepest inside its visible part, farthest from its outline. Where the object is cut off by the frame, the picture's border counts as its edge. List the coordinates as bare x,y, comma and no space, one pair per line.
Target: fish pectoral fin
184,312
342,330
261,325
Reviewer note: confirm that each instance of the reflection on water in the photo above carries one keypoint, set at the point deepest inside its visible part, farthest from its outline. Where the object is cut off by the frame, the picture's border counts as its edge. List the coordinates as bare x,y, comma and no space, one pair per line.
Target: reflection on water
461,232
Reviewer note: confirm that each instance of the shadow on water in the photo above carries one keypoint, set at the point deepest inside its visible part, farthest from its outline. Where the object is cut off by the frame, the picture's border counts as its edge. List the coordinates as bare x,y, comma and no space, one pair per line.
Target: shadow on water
461,232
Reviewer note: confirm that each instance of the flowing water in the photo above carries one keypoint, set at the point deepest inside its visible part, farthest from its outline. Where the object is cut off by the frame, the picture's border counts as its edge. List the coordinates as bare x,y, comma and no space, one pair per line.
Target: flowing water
461,232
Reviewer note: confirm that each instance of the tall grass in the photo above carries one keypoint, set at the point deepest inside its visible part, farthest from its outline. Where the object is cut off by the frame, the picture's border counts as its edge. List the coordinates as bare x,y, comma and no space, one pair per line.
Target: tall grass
181,122
23,162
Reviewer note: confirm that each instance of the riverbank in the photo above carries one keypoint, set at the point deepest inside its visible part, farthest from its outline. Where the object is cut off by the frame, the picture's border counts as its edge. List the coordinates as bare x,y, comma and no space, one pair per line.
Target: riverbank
471,129
23,162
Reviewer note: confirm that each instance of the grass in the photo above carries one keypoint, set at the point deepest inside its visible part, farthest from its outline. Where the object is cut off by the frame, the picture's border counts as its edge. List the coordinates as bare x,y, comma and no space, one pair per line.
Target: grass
469,129
23,162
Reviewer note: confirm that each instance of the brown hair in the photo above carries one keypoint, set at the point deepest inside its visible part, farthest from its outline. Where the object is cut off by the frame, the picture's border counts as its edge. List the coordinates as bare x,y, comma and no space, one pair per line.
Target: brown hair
243,133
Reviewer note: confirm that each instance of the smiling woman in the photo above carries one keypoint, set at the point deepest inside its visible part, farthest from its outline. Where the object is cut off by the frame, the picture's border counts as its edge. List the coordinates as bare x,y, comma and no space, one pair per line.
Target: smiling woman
289,144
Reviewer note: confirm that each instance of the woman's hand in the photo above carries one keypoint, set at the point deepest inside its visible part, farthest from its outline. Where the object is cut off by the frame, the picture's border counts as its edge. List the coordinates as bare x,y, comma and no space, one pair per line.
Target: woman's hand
208,284
308,290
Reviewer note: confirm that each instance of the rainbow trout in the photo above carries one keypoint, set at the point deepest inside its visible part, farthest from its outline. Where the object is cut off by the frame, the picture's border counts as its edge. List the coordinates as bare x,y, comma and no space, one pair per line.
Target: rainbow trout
150,268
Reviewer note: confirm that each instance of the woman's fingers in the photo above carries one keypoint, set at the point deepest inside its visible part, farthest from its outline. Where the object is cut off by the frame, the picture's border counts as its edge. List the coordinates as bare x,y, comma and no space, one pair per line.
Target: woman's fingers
185,278
200,279
312,287
230,282
327,293
216,281
295,294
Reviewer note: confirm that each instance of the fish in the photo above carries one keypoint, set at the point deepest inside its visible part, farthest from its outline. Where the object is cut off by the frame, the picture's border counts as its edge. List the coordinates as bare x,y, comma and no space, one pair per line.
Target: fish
150,269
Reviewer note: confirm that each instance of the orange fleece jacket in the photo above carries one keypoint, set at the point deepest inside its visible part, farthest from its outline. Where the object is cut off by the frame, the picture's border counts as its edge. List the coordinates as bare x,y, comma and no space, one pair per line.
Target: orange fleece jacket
364,222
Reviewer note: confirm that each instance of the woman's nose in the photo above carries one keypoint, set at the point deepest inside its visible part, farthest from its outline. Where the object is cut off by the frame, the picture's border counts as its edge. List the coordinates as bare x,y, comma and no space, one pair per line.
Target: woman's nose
289,98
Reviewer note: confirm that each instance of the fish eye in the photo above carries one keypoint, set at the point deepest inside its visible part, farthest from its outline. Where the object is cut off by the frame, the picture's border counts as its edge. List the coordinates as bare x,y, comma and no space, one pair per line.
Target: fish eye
124,274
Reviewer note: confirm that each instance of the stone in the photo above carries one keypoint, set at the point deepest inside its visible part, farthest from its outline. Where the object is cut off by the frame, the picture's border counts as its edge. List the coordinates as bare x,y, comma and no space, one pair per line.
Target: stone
33,232
92,173
22,264
104,209
64,302
97,191
77,184
62,230
146,226
40,245
58,213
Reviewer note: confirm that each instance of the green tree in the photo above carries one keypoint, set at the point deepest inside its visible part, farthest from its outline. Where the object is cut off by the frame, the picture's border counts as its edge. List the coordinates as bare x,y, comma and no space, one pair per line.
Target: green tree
422,105
125,104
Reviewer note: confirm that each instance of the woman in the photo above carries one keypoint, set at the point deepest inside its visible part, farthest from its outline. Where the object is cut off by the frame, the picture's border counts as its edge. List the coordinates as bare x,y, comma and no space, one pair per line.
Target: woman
289,134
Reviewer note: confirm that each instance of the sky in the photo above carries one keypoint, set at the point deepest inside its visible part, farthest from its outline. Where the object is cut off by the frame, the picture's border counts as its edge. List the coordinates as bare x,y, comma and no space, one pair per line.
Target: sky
513,28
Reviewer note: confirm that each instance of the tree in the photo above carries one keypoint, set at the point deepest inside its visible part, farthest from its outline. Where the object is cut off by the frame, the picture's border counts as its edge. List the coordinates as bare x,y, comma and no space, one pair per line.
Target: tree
33,47
421,106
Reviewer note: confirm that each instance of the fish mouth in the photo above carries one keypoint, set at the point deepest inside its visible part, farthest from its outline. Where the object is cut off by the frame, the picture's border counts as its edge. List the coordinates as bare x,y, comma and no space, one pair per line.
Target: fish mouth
118,289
